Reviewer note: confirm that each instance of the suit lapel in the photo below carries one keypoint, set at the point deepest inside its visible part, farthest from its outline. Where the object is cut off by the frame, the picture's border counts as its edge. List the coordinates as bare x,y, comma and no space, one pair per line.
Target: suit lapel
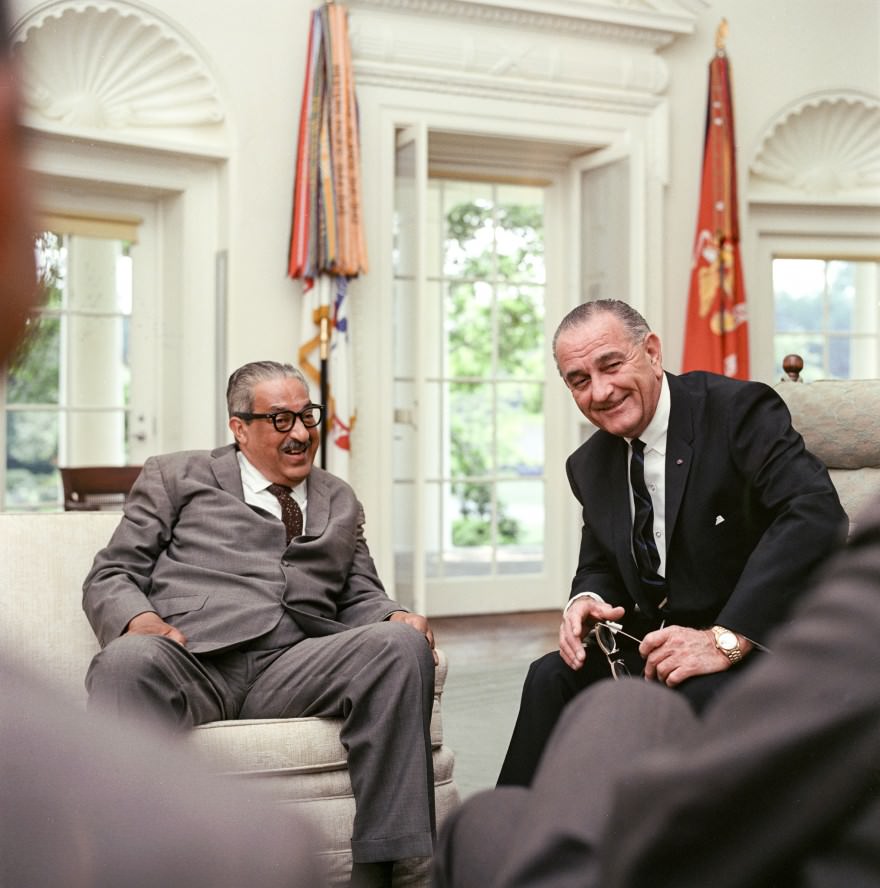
227,471
679,449
318,509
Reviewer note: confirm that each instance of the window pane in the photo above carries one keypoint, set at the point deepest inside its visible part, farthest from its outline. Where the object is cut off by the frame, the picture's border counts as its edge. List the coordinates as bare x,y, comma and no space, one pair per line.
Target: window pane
839,358
469,550
520,234
51,255
471,421
798,286
841,296
520,526
469,329
34,375
521,332
520,419
32,479
470,230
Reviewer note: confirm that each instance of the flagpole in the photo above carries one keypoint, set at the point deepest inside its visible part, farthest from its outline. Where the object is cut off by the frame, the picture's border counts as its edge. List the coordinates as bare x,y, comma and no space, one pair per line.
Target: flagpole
324,353
327,237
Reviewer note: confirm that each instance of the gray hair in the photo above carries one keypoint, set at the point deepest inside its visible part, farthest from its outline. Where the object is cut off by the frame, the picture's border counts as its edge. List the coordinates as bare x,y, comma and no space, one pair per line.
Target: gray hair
635,325
240,389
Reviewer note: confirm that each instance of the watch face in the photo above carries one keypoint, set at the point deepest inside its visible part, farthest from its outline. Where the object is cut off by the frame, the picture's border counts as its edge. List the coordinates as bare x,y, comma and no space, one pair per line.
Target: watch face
727,640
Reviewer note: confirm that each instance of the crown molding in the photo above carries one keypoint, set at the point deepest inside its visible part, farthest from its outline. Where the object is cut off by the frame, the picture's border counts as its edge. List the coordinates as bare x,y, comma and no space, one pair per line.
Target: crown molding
651,22
115,70
823,148
574,53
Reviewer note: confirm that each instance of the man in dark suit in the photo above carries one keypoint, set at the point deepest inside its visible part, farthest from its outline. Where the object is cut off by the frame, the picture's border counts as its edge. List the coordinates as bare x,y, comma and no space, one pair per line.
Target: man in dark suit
703,517
239,585
777,784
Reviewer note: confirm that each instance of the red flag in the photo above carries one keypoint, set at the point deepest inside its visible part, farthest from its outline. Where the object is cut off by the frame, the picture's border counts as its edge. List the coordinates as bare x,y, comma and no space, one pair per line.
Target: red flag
717,337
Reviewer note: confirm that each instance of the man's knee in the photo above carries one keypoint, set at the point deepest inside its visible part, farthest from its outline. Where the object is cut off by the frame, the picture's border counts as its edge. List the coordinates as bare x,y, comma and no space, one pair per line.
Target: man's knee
616,708
551,676
402,644
128,658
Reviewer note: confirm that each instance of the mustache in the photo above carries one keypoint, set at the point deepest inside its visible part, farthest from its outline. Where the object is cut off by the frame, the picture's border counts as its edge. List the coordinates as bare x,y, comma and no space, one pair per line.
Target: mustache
292,446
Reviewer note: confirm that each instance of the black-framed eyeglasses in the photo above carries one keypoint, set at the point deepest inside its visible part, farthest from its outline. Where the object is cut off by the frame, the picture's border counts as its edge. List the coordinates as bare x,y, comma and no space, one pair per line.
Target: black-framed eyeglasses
605,634
285,420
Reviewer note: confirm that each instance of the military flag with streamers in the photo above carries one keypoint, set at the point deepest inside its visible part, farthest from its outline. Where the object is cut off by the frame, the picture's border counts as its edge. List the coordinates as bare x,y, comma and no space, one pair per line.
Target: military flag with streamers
327,244
717,336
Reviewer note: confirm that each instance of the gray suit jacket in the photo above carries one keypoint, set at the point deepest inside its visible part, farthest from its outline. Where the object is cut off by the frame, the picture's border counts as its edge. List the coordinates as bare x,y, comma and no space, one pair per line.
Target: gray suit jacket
190,549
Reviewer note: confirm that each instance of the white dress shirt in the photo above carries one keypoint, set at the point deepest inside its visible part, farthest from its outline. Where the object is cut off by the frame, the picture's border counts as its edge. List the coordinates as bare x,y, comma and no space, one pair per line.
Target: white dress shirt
654,438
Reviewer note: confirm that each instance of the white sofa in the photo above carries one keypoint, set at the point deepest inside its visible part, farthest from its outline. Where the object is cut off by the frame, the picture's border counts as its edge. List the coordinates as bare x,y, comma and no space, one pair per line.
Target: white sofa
43,561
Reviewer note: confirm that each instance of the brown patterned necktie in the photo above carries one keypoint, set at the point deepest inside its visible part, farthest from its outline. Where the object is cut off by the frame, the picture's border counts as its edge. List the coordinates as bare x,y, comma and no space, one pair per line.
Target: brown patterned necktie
291,514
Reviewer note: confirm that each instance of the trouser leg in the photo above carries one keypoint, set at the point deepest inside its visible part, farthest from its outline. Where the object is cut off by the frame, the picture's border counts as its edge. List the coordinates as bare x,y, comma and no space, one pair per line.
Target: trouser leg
475,839
701,690
154,678
589,755
380,680
548,836
548,688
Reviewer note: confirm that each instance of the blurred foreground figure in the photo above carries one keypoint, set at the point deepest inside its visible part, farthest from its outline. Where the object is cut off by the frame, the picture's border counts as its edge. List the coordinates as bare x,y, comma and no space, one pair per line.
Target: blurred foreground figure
89,802
777,785
93,803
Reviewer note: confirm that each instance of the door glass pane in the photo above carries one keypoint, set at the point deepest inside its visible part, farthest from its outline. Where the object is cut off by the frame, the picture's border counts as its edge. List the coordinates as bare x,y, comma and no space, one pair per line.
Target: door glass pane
798,285
469,328
521,526
520,421
521,332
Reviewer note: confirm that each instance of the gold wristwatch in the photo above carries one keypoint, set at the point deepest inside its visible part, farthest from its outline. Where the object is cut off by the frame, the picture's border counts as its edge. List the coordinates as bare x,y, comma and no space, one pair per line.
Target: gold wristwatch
727,642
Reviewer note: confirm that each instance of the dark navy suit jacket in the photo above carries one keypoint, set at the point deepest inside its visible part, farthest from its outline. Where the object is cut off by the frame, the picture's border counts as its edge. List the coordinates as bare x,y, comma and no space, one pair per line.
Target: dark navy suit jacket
750,512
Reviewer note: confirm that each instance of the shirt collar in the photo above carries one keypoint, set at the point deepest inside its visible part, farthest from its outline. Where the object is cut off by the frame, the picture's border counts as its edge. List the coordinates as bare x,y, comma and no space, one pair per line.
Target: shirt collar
654,436
254,480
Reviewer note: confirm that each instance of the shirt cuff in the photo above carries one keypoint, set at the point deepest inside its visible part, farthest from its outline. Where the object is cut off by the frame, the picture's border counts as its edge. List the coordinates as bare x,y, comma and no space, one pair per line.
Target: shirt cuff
592,595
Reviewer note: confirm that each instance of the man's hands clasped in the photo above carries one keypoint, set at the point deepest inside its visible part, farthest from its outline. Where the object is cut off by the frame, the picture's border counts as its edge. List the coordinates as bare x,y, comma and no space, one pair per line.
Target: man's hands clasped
672,654
577,622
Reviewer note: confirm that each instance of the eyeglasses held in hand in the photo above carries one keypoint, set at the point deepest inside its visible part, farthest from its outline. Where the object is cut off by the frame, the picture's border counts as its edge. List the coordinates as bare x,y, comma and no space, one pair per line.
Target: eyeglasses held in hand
285,420
606,634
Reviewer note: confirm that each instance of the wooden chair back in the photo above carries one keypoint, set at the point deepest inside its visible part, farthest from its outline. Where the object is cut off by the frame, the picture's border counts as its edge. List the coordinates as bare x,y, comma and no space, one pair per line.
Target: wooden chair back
97,488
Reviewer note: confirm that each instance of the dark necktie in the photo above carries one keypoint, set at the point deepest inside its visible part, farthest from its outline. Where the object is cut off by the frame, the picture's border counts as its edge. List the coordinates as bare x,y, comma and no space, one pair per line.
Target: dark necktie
644,548
291,514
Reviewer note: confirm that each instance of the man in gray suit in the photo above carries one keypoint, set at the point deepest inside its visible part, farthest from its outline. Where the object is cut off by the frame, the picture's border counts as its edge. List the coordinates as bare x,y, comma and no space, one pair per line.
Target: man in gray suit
82,805
239,585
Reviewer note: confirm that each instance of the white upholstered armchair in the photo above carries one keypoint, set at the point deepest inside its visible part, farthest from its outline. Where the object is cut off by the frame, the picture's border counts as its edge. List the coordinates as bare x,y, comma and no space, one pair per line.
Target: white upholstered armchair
839,421
43,561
